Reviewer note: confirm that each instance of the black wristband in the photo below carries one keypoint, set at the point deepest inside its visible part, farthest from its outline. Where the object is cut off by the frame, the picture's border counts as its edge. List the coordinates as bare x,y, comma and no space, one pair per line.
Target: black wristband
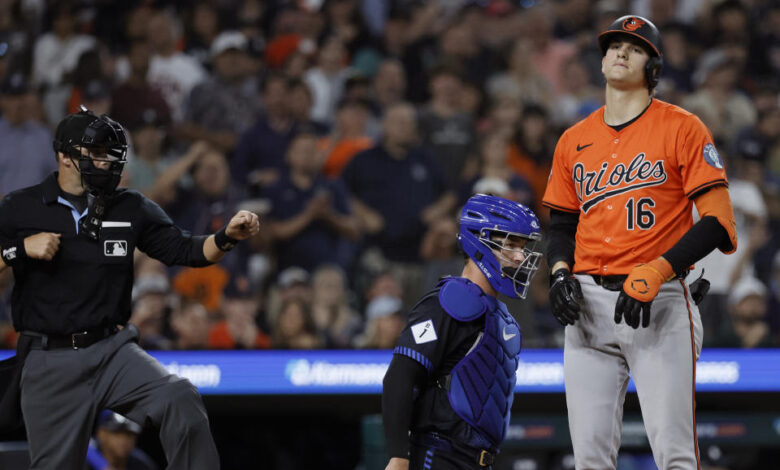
14,252
560,273
223,241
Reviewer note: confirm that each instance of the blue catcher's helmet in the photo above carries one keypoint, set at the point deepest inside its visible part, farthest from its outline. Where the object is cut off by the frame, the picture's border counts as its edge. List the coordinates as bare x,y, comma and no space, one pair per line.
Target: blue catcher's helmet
486,224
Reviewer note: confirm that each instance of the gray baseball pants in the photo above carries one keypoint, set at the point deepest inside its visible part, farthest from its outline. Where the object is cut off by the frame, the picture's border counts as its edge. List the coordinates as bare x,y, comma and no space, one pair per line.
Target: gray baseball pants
63,390
598,357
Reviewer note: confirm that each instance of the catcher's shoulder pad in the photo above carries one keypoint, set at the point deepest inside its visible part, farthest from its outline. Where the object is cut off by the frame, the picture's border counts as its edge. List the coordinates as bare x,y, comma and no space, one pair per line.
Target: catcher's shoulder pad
461,299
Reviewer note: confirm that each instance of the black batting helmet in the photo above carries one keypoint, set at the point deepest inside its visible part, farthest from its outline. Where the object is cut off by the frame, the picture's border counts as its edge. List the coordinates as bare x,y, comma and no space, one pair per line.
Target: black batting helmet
644,30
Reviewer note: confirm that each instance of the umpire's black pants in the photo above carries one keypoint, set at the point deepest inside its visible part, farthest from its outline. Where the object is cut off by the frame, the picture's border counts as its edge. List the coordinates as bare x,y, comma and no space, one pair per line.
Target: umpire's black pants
64,389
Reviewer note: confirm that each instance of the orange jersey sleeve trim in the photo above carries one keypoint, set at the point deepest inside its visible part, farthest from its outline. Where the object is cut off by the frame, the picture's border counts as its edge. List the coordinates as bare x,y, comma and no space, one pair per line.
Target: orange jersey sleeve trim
717,203
718,182
559,208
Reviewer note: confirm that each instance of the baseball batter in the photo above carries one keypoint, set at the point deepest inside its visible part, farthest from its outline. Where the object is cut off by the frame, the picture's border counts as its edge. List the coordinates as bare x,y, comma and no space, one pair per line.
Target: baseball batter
622,240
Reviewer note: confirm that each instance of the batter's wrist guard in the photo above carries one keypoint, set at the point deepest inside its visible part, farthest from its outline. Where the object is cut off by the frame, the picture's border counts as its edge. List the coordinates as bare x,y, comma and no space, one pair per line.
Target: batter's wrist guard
559,275
13,253
223,241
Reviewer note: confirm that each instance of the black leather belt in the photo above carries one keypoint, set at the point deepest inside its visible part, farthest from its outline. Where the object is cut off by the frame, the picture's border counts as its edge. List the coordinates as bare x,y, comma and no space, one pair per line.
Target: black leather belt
483,458
613,282
78,340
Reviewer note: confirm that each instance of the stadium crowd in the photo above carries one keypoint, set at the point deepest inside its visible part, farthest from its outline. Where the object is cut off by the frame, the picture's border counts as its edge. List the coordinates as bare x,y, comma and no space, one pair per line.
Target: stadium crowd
356,129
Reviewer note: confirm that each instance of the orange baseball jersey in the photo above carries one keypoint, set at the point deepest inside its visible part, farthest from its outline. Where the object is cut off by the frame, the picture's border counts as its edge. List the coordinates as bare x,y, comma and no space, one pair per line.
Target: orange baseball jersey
632,188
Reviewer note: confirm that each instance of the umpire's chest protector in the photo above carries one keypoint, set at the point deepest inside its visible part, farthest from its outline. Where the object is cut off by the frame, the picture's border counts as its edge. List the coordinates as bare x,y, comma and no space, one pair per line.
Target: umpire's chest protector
482,384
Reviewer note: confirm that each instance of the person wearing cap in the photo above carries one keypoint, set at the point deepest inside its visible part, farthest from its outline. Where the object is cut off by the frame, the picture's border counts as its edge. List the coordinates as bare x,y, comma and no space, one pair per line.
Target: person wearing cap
223,106
748,305
70,242
24,154
114,445
384,323
173,72
622,239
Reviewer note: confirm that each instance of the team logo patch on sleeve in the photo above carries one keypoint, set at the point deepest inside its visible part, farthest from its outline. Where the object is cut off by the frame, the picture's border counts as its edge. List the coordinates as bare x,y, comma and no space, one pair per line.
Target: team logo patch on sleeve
712,157
424,332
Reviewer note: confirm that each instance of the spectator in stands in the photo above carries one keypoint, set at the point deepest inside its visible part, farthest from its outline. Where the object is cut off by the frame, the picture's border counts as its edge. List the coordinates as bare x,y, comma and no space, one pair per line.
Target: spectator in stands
55,54
201,31
521,81
294,327
96,96
150,161
299,101
440,252
151,307
190,326
239,327
25,154
678,63
494,155
446,130
114,446
135,95
748,304
389,84
291,283
384,323
207,202
397,187
721,106
327,77
222,107
334,318
310,215
529,153
172,72
348,136
578,98
259,156
90,81
548,53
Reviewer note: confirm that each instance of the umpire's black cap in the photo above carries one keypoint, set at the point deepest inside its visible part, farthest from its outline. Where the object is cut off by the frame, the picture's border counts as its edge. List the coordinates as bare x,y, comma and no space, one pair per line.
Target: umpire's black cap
635,26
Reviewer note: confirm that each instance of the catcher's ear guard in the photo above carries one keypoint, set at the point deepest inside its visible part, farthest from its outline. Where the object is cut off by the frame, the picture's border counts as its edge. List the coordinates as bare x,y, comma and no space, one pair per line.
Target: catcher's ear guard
699,289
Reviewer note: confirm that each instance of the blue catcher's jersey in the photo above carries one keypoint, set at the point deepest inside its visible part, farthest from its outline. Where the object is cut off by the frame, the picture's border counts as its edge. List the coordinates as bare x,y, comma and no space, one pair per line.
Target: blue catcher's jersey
470,345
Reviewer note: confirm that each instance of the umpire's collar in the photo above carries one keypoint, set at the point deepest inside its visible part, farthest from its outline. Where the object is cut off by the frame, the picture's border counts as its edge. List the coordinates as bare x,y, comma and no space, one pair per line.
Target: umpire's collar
50,188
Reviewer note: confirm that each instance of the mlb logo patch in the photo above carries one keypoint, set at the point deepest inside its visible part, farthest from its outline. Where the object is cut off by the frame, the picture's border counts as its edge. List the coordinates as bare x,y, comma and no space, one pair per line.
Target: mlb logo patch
115,248
424,332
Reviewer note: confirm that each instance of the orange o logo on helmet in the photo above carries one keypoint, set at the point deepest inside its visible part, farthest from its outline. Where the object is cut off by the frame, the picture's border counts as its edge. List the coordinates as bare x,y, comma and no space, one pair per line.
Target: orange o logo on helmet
632,24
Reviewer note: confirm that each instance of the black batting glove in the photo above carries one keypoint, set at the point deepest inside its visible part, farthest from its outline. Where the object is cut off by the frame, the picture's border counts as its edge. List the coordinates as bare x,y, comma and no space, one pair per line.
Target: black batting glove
632,310
565,297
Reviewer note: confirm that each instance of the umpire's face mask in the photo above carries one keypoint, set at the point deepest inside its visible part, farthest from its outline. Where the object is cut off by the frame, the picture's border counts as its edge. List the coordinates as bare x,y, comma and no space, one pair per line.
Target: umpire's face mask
101,169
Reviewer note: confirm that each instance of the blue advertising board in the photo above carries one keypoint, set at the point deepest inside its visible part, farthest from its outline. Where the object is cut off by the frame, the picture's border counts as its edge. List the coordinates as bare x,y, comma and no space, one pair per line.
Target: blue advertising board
361,372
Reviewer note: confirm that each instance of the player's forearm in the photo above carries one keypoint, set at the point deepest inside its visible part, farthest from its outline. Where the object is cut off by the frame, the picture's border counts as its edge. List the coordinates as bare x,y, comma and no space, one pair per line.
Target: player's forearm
397,403
210,250
701,239
560,245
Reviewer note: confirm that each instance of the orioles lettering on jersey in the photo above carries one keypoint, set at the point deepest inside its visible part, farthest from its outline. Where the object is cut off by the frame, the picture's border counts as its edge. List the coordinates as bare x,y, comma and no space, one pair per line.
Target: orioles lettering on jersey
594,186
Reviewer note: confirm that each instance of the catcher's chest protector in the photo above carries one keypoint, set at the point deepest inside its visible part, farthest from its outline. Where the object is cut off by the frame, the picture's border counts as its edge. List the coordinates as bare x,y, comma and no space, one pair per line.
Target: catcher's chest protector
481,385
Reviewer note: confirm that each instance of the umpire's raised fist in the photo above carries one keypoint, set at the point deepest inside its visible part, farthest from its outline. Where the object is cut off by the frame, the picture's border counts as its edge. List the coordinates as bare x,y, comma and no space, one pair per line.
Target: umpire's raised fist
42,245
565,297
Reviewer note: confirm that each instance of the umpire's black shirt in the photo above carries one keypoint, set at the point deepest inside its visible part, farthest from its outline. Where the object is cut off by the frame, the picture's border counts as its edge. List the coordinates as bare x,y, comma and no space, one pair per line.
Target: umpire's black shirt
88,283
